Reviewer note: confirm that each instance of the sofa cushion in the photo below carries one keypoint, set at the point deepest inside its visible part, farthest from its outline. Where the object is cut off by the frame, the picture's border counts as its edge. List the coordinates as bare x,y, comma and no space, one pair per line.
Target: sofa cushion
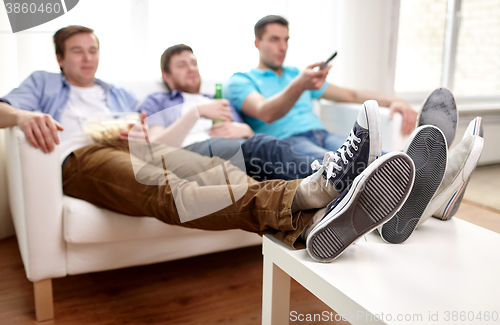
86,223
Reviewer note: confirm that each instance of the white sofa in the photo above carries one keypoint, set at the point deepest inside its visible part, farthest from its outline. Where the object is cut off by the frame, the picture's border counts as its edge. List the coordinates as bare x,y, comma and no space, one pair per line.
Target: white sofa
60,235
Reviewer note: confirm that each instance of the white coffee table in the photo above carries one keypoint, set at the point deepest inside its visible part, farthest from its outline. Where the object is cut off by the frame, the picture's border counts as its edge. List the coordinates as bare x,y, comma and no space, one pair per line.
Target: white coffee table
446,273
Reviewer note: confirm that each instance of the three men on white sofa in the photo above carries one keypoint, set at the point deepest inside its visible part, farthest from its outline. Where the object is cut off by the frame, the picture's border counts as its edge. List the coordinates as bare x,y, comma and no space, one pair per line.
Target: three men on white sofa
103,173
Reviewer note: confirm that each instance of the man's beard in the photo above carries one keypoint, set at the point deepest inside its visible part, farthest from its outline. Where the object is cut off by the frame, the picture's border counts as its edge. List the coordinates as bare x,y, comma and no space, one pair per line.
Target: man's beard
190,88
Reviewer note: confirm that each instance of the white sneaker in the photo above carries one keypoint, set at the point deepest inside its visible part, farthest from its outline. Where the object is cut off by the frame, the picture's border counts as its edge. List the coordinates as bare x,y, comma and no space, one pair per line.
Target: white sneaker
428,150
461,165
372,199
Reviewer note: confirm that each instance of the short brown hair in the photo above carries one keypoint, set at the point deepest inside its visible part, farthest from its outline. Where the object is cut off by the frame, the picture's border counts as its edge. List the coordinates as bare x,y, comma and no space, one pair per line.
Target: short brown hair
171,51
64,33
260,26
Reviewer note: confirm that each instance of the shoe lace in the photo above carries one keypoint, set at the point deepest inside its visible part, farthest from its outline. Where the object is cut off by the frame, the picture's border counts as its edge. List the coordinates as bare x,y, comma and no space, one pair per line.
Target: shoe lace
330,160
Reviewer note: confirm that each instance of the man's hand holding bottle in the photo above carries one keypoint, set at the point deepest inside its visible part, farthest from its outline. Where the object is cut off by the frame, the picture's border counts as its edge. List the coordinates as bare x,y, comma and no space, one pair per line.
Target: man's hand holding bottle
215,109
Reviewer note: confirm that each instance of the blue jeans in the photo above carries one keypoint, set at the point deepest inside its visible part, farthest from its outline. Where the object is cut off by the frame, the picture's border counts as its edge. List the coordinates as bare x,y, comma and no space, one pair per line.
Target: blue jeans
265,156
315,143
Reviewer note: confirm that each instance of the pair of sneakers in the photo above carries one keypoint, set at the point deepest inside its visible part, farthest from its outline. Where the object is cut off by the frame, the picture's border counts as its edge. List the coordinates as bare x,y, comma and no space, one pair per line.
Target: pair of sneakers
441,175
398,191
372,188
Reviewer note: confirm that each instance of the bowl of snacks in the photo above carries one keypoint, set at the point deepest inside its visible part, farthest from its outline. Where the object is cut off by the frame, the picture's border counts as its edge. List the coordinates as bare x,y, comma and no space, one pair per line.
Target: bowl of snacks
108,126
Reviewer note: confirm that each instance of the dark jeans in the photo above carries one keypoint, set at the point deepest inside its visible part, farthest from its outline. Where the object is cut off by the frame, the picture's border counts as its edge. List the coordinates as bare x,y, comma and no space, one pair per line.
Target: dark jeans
315,143
266,157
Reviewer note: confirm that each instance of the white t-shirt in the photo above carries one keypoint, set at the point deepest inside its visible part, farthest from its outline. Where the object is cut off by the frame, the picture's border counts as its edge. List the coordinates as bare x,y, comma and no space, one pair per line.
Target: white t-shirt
82,101
199,132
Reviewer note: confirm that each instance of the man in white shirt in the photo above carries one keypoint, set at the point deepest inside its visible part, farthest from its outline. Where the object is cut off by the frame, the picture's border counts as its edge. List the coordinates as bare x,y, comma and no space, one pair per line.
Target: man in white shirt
46,103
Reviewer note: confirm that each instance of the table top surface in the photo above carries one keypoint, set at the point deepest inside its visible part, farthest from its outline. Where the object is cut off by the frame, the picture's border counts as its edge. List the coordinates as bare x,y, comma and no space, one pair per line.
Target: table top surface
447,272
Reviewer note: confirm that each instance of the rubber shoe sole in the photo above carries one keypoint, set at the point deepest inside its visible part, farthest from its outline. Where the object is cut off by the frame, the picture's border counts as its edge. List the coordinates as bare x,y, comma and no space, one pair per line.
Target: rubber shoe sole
428,150
440,109
373,199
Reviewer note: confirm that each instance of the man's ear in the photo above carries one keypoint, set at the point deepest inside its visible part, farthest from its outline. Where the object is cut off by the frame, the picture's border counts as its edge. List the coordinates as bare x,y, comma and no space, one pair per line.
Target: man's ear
166,78
256,42
59,60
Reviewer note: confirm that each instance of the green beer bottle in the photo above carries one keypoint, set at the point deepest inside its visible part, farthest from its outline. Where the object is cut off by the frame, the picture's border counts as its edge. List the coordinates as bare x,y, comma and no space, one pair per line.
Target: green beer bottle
218,95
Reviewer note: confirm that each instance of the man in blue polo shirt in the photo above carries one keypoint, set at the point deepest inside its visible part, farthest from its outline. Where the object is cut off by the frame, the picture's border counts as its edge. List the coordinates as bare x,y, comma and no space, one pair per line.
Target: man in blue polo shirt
277,100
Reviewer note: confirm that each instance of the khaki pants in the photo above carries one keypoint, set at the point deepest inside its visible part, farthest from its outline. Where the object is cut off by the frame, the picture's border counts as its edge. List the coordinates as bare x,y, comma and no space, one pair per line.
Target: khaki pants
103,174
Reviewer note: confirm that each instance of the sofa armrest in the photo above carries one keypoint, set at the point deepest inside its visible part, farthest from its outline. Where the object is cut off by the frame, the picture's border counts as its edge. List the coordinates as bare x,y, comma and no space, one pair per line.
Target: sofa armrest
339,118
35,196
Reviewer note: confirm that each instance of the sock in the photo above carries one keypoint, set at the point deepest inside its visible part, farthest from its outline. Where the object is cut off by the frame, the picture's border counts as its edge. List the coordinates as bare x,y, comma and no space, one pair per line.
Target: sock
313,194
314,221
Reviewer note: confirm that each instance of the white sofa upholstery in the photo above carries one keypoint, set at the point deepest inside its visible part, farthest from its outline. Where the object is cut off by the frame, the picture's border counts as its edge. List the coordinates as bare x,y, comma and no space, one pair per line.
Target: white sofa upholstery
60,235
339,118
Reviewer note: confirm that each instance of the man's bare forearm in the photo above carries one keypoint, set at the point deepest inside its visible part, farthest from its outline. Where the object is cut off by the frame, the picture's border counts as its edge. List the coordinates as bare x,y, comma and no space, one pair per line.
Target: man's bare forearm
175,133
340,94
383,100
278,105
8,115
275,107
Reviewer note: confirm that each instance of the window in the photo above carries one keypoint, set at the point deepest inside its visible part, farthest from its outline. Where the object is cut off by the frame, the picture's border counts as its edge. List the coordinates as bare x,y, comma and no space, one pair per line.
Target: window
454,43
477,69
420,45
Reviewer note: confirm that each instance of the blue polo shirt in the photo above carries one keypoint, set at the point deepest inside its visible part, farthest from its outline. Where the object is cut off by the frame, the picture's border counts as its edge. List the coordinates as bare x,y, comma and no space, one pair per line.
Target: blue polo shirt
301,118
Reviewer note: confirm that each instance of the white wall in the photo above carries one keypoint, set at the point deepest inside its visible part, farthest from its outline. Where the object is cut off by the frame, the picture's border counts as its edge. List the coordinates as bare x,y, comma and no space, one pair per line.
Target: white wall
134,33
367,33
